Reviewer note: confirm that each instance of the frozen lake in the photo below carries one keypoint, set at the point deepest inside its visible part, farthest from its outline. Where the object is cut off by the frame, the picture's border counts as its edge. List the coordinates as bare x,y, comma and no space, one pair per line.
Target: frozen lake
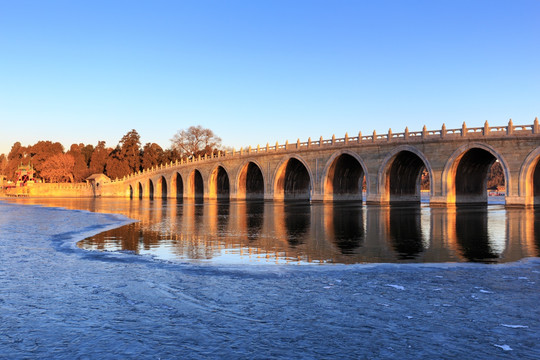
60,301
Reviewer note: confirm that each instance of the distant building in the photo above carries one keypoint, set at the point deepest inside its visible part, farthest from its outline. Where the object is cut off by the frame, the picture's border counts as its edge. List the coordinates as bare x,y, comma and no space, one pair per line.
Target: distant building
96,180
25,175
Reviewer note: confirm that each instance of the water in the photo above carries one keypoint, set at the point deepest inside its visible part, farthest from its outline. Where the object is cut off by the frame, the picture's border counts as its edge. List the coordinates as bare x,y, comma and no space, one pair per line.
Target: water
60,301
300,233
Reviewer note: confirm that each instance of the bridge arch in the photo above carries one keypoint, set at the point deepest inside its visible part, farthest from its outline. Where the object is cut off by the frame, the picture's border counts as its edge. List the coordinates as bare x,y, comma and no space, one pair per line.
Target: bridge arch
162,188
250,181
219,184
293,179
140,190
464,178
400,174
177,186
529,178
195,185
343,177
150,186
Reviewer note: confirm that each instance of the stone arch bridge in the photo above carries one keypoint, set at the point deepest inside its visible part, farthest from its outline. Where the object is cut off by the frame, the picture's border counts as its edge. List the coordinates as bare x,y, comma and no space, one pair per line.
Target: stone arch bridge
388,166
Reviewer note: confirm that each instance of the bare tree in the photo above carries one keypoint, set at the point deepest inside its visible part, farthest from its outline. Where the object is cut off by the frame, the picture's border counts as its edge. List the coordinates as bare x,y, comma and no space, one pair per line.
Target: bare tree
195,141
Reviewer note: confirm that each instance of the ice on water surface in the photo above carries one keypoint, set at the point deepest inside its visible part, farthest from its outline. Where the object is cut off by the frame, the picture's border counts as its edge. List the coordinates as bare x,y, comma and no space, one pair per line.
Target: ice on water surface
59,301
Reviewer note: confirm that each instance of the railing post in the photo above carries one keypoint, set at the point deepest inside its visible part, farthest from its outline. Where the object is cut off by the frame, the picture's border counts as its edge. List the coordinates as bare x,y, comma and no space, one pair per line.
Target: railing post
510,127
346,138
486,128
443,130
536,126
321,141
359,137
424,132
309,142
277,146
267,147
374,136
249,149
258,148
286,144
389,134
406,135
298,143
241,151
333,139
464,129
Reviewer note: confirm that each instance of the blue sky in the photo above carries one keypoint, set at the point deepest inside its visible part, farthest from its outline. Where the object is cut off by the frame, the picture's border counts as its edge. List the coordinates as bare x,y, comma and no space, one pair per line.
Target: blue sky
262,71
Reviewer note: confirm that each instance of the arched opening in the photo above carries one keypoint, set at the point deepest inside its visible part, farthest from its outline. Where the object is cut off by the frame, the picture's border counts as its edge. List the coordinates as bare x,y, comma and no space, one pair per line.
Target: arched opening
536,184
140,191
130,192
196,185
251,182
150,189
293,181
179,183
163,187
345,179
404,177
471,176
219,184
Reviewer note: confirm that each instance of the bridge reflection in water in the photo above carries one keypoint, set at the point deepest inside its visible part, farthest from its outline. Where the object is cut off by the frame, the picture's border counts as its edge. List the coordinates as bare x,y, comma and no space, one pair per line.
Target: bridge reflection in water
277,232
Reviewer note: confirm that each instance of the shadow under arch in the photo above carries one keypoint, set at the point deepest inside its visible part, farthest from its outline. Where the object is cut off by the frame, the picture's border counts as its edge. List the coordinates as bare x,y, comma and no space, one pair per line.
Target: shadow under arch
150,189
400,175
219,184
250,182
177,186
464,178
293,180
140,191
529,178
130,191
343,176
195,185
162,185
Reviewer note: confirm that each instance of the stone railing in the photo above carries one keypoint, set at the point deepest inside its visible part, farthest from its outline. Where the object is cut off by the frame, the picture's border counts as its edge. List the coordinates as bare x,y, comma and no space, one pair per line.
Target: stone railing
406,136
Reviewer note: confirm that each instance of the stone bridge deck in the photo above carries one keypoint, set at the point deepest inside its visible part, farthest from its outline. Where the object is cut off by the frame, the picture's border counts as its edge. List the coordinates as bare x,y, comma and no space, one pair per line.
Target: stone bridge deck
389,166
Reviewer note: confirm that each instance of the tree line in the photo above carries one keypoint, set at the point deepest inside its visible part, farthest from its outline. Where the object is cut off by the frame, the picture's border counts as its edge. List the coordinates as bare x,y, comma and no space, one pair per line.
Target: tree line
52,164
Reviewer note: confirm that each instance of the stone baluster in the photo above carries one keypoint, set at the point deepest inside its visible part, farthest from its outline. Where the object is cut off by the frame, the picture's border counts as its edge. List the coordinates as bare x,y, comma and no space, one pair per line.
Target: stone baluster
286,144
267,147
374,136
389,136
346,138
424,132
249,149
486,128
359,137
298,143
333,139
258,149
241,151
406,134
321,141
277,146
536,126
464,129
443,130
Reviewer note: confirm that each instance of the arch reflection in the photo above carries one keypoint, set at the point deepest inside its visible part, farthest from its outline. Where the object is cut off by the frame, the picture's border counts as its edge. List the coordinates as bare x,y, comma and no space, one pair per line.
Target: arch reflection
473,235
345,226
406,231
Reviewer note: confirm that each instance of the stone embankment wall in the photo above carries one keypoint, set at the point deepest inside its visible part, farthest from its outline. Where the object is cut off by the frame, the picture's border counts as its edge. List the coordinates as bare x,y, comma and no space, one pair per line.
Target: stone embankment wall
52,190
